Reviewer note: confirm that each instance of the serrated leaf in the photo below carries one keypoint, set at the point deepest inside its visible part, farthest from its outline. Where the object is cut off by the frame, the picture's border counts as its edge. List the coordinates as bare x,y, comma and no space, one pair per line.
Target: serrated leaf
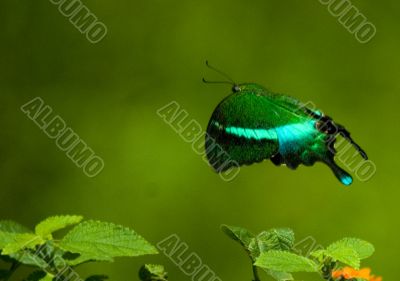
25,257
245,238
252,245
239,234
52,224
8,231
22,241
152,272
276,239
13,227
253,249
95,240
279,276
6,238
363,248
344,255
28,258
285,262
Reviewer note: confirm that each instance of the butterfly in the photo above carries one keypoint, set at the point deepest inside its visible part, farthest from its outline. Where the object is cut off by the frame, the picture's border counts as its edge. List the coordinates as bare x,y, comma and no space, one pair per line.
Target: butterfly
253,124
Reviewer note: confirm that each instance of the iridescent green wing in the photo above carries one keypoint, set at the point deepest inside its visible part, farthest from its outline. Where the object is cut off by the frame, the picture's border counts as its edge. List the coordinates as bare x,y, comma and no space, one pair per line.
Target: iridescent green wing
250,126
242,130
304,143
297,132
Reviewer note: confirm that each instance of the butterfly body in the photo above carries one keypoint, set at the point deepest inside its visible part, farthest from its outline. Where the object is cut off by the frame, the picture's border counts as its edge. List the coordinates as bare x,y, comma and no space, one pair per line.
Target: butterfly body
253,124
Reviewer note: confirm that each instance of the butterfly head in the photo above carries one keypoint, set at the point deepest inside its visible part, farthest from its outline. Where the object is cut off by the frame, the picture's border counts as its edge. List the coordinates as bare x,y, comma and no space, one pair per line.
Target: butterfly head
236,88
248,87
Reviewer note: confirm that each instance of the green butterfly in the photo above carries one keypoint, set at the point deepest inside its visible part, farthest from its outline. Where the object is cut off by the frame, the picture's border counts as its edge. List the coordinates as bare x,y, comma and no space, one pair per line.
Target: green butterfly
254,124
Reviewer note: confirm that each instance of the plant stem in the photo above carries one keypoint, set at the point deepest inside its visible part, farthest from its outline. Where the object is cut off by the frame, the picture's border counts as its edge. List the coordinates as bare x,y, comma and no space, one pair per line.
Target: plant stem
255,274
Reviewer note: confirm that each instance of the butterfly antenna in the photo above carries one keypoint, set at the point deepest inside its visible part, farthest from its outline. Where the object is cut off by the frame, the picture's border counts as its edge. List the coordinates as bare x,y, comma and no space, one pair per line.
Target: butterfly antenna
346,135
221,73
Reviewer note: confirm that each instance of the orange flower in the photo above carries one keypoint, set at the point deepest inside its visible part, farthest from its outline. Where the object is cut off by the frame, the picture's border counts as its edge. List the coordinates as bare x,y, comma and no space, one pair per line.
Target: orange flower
350,273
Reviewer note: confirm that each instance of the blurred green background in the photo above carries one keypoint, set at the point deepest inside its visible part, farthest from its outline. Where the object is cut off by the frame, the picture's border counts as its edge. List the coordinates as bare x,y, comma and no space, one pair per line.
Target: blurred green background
154,53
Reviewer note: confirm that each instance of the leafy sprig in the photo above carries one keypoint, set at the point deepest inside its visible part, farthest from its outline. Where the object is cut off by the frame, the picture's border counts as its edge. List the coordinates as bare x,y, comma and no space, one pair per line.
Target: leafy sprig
274,252
87,241
153,272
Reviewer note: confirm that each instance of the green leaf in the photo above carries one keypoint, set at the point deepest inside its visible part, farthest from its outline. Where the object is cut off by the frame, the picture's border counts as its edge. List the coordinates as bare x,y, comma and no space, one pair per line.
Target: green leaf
28,258
22,241
245,238
13,227
6,238
343,254
152,272
52,224
276,239
239,234
273,239
280,276
279,239
102,241
363,248
253,249
285,262
8,231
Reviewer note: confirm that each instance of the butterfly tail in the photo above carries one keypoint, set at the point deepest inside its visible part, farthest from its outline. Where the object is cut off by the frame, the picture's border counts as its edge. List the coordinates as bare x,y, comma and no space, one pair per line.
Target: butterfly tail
340,174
